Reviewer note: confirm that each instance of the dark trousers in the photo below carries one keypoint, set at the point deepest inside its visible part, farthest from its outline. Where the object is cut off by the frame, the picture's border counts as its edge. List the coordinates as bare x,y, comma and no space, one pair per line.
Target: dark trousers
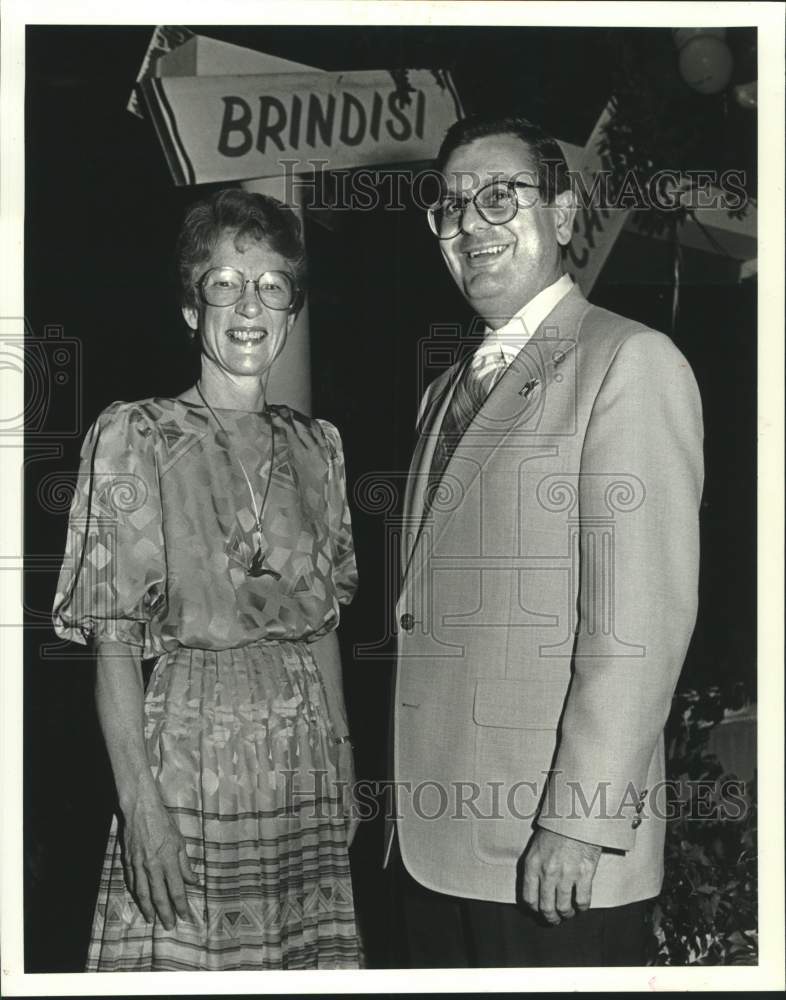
433,930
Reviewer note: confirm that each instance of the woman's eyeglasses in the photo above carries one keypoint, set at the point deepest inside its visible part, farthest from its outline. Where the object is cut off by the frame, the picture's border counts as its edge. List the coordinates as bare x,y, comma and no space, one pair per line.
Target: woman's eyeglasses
225,286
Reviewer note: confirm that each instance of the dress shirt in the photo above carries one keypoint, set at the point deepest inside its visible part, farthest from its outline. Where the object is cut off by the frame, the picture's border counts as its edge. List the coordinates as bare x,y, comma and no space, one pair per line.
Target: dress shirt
510,338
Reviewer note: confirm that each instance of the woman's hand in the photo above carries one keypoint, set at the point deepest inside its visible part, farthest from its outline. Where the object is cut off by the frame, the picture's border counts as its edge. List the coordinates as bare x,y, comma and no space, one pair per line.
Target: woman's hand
154,852
155,861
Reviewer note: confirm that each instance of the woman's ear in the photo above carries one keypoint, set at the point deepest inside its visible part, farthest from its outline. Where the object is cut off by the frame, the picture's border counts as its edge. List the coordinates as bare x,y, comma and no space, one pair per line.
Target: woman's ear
191,316
297,305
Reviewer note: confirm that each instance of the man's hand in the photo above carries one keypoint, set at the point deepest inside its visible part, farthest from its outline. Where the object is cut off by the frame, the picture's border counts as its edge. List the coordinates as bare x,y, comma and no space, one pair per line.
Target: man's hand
554,867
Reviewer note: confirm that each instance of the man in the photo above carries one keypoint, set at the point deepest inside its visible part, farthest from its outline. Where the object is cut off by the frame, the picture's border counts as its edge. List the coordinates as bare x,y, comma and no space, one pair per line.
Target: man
549,594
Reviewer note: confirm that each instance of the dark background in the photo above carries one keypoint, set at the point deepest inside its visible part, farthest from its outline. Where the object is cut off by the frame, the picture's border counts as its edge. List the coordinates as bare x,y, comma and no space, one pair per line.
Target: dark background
101,219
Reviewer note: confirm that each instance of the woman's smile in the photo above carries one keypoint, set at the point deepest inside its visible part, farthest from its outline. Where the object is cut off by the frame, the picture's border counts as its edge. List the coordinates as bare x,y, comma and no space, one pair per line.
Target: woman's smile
249,336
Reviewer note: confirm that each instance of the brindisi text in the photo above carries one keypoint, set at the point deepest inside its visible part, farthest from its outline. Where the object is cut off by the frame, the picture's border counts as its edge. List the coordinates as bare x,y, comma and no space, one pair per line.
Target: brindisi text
319,120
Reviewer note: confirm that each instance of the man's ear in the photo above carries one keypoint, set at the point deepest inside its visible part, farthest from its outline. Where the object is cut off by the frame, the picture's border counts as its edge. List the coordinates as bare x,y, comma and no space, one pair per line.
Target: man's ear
191,316
564,214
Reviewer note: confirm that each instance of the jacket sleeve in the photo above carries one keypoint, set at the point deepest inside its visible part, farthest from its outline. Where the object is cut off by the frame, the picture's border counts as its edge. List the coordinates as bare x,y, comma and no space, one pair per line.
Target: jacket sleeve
638,588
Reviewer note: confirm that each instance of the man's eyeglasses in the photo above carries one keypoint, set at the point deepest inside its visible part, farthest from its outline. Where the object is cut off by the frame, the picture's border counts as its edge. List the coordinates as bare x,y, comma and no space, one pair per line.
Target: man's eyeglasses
496,203
225,286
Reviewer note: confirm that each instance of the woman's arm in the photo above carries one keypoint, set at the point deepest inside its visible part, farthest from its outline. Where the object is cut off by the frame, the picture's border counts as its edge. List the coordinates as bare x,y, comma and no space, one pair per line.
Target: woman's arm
328,658
154,851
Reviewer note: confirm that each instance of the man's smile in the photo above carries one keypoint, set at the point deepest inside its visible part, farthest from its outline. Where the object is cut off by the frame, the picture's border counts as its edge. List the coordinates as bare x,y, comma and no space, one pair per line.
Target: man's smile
487,253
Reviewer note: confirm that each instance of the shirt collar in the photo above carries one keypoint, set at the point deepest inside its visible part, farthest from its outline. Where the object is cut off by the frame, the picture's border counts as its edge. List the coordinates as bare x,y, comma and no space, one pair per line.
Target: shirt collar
510,338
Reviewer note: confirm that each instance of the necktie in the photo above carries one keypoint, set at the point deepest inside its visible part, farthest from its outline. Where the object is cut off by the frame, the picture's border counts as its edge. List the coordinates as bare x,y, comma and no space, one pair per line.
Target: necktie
472,389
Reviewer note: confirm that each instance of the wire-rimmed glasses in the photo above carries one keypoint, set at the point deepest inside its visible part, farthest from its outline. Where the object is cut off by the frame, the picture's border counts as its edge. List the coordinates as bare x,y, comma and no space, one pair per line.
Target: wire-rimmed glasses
226,286
496,203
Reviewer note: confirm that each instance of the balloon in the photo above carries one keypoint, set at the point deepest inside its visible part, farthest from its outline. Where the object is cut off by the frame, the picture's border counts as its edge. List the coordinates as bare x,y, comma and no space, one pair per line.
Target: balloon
683,35
746,94
706,64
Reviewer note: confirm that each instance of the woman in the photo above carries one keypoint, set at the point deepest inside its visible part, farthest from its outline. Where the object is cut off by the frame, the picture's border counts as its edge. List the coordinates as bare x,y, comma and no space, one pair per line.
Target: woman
211,530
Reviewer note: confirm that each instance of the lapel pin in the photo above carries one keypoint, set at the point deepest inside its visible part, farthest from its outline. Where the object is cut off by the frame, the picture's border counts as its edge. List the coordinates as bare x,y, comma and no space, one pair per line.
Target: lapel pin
527,388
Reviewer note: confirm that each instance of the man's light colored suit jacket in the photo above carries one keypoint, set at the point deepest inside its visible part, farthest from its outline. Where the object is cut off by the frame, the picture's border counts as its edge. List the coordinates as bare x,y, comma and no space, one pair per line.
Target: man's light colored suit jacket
548,599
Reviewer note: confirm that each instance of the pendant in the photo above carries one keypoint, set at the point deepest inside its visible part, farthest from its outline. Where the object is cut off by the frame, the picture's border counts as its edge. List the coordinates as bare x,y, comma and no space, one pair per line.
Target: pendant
257,567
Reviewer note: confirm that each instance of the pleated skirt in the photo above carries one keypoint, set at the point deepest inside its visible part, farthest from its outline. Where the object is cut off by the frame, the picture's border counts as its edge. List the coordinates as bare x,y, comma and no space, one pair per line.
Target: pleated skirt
242,750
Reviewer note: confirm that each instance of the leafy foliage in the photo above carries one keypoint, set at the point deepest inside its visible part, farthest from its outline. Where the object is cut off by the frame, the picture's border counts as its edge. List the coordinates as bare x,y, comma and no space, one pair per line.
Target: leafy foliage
659,124
707,911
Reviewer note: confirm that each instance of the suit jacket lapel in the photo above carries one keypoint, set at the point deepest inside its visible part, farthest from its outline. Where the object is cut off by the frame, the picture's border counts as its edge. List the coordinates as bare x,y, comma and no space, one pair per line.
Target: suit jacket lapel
414,497
516,399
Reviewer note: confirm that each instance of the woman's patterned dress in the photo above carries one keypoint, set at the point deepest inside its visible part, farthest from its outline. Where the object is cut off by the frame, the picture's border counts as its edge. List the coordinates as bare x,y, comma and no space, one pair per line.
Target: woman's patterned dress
236,725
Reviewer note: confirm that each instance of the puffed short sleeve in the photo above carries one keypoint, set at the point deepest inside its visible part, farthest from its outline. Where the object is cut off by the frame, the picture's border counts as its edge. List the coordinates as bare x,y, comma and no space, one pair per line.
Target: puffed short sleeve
113,579
344,569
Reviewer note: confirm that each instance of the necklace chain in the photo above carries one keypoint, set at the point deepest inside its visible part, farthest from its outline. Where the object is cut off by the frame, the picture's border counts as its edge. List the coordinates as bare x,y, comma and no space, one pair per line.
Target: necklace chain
256,563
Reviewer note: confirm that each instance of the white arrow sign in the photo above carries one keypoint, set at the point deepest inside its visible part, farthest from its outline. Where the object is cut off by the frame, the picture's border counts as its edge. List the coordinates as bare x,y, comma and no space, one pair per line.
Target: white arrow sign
223,128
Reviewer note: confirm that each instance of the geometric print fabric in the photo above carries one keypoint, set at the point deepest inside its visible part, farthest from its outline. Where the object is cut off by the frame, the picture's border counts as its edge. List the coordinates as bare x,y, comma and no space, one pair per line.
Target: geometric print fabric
261,816
161,532
236,725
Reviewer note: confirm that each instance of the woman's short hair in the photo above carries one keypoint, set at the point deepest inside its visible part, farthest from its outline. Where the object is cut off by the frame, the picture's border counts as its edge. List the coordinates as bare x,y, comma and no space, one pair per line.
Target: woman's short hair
249,216
550,163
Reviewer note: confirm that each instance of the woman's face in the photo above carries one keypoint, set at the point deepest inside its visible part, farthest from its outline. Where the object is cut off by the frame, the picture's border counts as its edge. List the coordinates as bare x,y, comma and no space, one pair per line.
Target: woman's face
246,338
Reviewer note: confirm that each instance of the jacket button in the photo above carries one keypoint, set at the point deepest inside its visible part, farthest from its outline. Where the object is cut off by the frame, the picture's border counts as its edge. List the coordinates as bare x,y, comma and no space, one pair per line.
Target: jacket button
636,822
407,622
639,806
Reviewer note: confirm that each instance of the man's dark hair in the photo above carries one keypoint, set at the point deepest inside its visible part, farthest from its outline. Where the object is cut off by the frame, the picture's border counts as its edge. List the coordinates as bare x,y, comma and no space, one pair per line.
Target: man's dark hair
247,215
550,163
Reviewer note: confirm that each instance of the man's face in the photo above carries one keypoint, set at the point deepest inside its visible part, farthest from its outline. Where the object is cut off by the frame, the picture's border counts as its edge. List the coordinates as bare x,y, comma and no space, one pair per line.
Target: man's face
499,268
